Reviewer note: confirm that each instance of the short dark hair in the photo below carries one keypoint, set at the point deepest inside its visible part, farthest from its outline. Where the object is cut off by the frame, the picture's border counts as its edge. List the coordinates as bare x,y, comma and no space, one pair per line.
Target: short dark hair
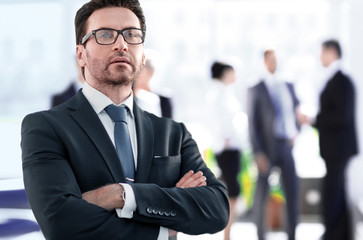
219,68
268,52
333,44
87,9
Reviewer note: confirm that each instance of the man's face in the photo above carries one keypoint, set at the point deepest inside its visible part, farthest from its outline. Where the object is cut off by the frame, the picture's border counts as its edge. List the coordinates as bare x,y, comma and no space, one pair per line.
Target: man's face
326,56
271,62
116,64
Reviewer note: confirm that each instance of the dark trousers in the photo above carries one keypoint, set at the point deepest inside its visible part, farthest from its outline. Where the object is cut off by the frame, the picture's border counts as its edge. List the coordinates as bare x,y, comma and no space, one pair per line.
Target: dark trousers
335,209
285,161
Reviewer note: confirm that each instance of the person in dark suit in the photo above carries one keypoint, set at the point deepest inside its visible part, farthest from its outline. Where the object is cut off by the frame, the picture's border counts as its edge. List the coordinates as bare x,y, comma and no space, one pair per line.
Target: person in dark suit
154,103
272,123
90,175
337,139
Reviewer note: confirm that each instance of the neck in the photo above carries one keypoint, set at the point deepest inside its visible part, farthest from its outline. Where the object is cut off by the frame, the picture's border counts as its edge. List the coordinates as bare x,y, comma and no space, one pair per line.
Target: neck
116,93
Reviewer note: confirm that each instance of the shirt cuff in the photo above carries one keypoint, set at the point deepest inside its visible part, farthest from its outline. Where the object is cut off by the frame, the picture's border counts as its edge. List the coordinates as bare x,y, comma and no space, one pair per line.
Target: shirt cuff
163,234
130,203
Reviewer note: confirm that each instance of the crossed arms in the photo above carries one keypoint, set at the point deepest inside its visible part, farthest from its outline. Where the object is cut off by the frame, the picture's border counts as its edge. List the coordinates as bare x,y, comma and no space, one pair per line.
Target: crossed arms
61,186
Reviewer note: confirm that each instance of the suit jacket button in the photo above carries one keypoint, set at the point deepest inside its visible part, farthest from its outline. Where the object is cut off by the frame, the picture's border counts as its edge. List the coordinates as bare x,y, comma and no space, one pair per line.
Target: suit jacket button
173,213
149,210
161,212
155,211
167,213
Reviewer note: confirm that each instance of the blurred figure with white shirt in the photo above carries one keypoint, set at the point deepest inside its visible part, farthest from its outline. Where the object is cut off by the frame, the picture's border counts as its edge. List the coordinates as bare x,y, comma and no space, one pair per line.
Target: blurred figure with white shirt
222,109
149,101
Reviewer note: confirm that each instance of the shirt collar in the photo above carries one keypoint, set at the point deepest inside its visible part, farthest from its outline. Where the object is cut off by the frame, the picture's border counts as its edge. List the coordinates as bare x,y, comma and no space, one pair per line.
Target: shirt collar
269,78
99,101
333,68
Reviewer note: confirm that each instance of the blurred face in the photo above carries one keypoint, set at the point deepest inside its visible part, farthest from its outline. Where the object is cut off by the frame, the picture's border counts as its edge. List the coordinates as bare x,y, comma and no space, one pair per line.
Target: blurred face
117,64
271,62
327,56
229,77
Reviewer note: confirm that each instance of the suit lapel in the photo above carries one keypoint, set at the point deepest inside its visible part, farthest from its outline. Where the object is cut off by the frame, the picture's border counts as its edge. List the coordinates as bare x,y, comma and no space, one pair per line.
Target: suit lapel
145,144
265,92
88,120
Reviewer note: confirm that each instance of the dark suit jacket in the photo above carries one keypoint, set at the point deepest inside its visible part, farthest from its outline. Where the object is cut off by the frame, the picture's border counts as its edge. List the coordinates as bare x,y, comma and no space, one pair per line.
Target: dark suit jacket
336,119
166,107
64,96
261,114
66,151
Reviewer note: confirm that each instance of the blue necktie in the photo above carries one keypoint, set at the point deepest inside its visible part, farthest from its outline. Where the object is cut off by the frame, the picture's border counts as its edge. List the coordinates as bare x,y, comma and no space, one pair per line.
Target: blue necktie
280,130
122,140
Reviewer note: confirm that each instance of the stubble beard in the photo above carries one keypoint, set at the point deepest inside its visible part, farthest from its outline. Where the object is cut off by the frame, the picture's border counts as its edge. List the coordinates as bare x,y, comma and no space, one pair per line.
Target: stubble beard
120,76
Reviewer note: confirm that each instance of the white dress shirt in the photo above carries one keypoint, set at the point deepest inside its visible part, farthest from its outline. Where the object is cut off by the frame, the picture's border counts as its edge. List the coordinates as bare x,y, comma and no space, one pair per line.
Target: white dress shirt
99,102
148,101
278,88
221,111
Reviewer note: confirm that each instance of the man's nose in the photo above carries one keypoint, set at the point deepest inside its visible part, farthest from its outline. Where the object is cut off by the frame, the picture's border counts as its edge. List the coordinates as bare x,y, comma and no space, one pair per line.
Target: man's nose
120,44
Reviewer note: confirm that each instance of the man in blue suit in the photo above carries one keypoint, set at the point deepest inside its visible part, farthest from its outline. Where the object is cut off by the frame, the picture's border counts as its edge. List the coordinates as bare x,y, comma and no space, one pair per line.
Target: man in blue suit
272,106
81,182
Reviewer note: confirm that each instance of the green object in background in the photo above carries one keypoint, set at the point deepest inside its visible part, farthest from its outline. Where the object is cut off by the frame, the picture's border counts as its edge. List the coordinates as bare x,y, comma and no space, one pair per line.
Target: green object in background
247,177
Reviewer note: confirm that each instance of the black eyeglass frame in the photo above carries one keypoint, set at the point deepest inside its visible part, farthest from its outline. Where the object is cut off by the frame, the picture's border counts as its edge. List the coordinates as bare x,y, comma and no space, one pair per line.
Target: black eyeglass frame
119,32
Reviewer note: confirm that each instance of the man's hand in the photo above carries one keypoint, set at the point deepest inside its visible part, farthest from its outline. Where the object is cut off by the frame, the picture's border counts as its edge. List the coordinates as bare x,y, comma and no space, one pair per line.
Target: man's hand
190,179
262,163
107,197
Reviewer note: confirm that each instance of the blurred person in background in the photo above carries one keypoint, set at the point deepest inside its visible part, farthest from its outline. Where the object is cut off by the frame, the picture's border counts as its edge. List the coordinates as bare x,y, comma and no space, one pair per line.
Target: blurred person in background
272,111
335,122
70,91
222,109
145,98
99,167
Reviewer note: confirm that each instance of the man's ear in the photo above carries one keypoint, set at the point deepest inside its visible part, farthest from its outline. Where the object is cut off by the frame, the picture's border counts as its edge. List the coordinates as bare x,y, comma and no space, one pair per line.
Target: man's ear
80,53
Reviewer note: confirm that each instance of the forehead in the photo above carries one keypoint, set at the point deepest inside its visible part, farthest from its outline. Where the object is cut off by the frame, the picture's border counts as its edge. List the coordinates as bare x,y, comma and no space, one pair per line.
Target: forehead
112,17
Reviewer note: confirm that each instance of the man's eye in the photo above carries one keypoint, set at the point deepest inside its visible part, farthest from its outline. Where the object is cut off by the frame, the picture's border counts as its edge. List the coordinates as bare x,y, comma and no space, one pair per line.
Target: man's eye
130,34
105,34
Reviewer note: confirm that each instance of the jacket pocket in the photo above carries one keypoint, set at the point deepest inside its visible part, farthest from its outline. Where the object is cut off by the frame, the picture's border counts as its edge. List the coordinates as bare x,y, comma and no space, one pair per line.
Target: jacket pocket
165,170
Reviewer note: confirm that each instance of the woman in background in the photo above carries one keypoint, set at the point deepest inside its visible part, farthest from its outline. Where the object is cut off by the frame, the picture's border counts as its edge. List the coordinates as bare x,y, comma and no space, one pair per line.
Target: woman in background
222,110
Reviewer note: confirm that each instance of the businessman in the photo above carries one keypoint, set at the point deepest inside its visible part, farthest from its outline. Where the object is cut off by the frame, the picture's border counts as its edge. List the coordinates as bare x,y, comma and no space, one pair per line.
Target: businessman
97,166
337,136
272,107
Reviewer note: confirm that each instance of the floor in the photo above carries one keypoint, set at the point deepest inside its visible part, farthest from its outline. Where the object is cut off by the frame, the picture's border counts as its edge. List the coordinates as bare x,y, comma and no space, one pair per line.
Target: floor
240,230
247,231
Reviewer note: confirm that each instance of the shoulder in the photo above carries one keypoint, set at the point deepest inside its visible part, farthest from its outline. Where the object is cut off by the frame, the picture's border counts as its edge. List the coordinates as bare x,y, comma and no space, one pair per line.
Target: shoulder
257,86
40,117
161,122
60,112
343,80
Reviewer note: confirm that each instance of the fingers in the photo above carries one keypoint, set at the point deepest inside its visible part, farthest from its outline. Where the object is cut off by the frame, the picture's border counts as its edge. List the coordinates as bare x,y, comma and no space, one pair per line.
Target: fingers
192,180
184,178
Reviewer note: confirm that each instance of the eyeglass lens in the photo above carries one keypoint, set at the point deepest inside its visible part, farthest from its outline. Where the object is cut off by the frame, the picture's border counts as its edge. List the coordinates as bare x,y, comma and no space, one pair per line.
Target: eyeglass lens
109,36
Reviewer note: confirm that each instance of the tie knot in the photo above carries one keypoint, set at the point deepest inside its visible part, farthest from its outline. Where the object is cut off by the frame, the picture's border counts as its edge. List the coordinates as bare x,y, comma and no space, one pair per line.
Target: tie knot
117,114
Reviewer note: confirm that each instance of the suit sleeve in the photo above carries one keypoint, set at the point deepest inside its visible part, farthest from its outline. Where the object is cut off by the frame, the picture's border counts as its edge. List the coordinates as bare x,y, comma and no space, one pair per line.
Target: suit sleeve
254,122
54,194
190,210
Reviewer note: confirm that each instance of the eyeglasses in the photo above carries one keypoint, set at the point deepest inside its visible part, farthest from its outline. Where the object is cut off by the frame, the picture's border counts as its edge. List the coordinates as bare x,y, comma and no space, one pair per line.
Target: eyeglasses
108,36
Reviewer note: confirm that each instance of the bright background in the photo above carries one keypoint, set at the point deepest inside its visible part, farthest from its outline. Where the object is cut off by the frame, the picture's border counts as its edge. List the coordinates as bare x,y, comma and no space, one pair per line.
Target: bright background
37,52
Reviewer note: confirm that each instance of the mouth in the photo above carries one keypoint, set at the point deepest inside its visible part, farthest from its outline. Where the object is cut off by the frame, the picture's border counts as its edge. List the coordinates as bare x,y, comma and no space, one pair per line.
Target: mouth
120,60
